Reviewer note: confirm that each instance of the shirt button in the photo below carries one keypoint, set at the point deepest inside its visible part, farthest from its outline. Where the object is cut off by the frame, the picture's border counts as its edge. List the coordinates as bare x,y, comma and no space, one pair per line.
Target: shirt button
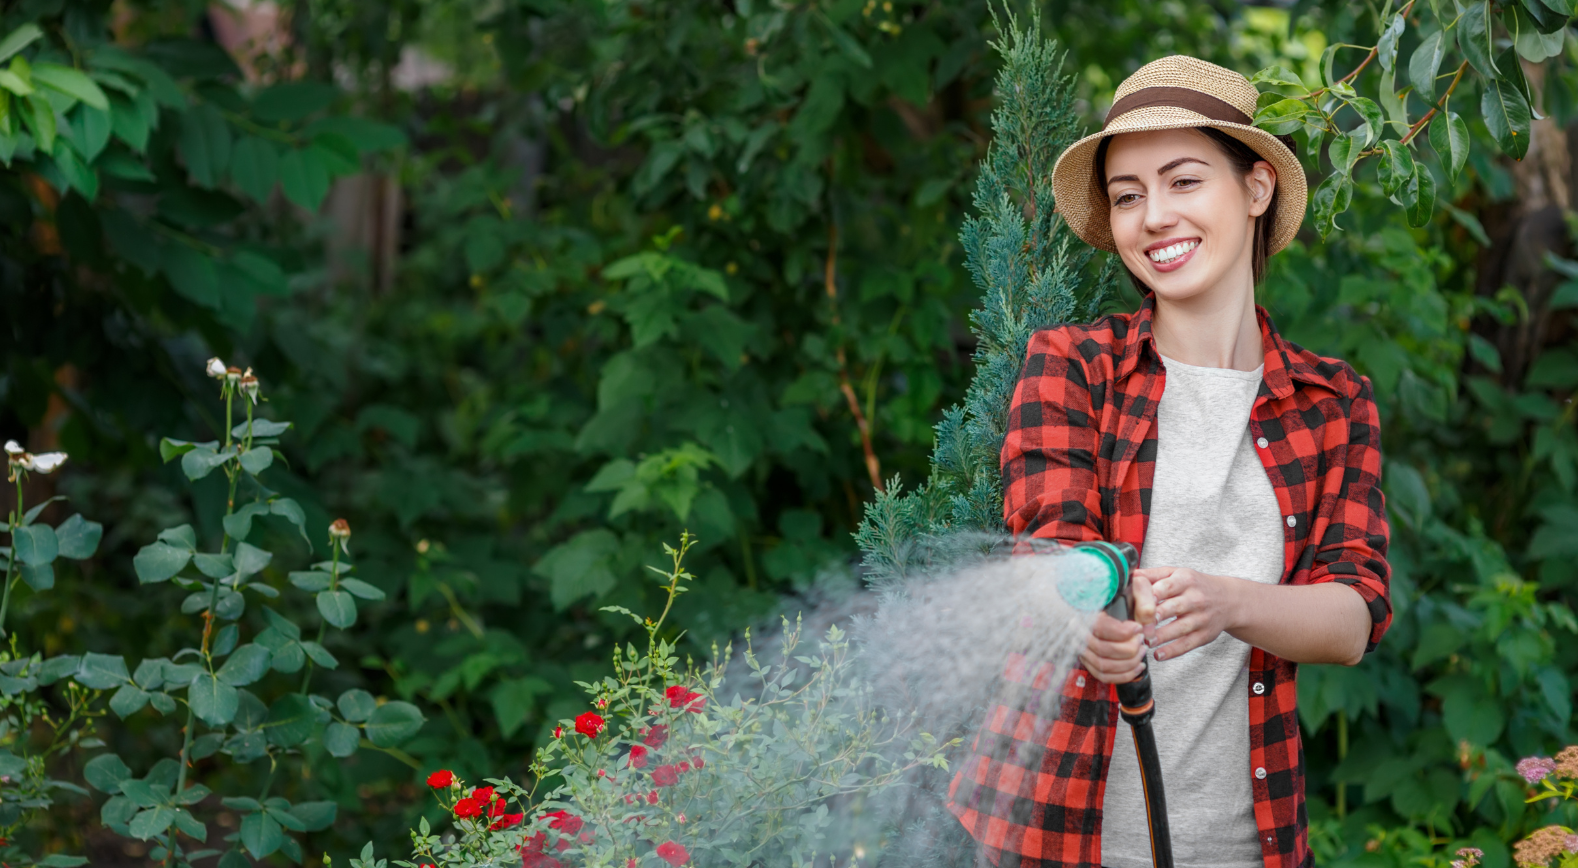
1079,681
1292,521
1262,443
1260,774
1259,688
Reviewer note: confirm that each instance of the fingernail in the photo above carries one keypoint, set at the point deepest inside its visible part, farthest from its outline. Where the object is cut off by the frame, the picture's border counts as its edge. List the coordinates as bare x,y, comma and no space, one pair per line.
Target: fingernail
1161,655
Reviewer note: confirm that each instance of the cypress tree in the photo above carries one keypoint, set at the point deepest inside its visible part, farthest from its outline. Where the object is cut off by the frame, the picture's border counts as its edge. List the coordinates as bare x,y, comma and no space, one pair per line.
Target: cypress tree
1033,273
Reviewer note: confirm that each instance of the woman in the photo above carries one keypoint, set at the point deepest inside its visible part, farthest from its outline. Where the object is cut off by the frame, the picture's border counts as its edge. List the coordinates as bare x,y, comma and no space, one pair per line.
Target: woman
1245,469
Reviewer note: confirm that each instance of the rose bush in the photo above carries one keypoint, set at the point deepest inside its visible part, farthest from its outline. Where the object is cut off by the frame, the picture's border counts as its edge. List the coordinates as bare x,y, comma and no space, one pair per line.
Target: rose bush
670,769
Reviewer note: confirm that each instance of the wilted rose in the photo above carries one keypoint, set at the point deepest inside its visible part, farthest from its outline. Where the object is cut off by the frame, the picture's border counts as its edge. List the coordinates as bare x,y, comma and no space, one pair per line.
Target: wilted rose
215,368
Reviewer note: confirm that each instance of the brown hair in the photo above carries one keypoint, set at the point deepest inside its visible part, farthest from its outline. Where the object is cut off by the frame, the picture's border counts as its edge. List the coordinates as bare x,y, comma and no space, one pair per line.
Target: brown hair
1242,158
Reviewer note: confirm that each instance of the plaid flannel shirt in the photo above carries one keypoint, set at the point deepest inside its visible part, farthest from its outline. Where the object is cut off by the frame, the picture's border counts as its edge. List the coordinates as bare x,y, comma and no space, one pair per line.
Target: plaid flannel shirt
1077,462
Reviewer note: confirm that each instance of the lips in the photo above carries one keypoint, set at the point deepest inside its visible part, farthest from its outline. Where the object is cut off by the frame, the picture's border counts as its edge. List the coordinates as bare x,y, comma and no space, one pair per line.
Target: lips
1171,255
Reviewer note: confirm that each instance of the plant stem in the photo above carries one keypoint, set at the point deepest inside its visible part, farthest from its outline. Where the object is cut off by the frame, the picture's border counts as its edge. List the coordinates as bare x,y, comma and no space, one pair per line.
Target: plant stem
10,563
1440,104
1342,752
323,626
1374,50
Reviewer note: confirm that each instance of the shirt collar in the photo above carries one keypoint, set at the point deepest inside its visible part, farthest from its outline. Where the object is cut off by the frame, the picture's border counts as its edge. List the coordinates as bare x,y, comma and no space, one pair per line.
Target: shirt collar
1285,362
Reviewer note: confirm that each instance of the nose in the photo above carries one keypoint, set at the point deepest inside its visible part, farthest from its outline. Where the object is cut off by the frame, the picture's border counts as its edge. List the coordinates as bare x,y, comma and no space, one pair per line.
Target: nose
1159,213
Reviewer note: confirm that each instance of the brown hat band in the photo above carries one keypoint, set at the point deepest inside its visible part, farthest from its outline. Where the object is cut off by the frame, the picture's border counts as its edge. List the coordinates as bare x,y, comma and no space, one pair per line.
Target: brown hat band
1177,97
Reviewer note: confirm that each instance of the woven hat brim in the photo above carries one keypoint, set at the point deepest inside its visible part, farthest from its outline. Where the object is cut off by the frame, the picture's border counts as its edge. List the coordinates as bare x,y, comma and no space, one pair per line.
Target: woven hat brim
1085,206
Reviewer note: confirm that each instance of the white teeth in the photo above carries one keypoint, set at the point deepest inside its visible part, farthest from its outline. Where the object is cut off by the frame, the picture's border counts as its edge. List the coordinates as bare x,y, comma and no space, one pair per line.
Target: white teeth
1173,251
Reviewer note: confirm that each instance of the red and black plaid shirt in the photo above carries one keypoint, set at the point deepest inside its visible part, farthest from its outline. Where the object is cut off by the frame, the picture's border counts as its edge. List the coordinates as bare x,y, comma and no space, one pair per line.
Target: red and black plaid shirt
1078,461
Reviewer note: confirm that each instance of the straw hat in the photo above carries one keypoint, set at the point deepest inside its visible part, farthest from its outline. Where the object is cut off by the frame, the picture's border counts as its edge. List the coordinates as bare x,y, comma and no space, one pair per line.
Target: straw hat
1167,94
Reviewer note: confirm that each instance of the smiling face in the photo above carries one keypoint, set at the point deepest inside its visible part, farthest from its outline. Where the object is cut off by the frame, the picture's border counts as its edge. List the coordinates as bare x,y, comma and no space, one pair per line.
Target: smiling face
1183,217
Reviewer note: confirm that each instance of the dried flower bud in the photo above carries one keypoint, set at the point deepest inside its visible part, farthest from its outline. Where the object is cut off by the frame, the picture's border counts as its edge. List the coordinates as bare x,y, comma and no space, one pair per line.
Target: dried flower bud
45,463
232,375
215,368
340,531
249,385
12,448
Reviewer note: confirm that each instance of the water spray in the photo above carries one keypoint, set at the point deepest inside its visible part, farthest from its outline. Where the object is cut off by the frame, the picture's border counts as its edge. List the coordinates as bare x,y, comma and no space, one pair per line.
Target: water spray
1097,577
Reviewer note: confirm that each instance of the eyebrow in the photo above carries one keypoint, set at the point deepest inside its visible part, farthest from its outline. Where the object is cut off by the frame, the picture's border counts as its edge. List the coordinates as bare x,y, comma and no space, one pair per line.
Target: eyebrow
1162,171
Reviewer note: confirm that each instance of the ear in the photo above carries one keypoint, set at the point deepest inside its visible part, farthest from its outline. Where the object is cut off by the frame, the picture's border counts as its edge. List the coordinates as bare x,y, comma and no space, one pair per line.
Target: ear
1261,181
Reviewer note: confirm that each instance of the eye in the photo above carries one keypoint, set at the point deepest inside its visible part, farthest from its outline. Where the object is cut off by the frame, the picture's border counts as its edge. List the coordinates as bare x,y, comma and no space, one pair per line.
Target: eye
1186,182
1124,199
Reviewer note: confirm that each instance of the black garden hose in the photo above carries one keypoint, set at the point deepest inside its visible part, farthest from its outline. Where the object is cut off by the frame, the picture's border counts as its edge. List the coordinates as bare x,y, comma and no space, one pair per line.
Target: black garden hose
1136,705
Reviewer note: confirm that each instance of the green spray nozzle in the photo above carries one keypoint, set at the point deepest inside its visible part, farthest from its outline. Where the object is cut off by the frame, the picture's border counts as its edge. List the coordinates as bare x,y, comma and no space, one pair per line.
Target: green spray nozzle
1095,576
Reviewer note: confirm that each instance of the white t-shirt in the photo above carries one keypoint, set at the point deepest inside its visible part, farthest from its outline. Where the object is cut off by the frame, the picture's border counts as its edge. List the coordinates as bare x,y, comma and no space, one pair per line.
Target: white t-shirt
1212,510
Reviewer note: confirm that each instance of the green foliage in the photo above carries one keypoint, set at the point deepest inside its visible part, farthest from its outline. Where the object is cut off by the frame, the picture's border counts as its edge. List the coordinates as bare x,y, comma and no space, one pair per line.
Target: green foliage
692,776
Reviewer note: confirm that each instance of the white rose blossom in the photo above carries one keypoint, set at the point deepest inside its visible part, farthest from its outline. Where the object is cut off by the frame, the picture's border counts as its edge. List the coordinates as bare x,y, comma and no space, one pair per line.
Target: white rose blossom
18,458
215,368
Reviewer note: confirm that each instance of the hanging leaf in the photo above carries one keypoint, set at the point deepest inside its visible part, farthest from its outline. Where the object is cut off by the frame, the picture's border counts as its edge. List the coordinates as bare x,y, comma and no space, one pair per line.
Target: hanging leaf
1476,40
393,722
18,39
1420,197
1506,116
1386,47
1395,168
1374,121
1425,65
158,562
1449,138
304,177
205,143
1331,198
254,166
72,83
1281,117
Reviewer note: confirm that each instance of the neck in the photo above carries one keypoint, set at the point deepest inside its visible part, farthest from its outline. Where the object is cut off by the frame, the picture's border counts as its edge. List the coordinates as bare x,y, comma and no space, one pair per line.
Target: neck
1214,330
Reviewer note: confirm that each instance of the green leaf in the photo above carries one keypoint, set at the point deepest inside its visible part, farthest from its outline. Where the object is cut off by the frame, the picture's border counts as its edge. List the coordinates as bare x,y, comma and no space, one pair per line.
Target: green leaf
213,701
190,825
72,83
205,143
245,665
56,668
105,773
293,101
359,588
1386,47
201,461
239,523
60,860
261,428
1281,117
847,44
320,655
144,793
181,535
257,459
1476,39
39,577
1506,116
35,545
74,170
337,607
169,448
1374,120
151,822
1420,197
78,538
214,566
369,136
1331,199
18,39
1277,76
265,275
1426,63
254,166
291,720
94,126
341,739
1344,152
583,565
339,154
1449,139
304,177
393,723
132,119
102,671
250,559
261,834
128,700
39,116
315,816
356,705
160,562
1395,168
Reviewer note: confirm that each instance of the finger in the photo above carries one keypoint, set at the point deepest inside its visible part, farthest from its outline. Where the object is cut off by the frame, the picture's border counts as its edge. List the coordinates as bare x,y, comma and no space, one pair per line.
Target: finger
1126,650
1110,629
1114,671
1183,645
1144,599
1178,606
1177,629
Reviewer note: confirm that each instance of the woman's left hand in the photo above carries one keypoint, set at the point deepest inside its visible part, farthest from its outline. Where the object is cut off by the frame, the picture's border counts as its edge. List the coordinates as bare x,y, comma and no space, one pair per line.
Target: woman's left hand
1200,606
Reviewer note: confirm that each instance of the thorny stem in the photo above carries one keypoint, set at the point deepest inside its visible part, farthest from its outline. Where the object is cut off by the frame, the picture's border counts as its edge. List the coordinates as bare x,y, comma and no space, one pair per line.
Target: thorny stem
10,563
1440,104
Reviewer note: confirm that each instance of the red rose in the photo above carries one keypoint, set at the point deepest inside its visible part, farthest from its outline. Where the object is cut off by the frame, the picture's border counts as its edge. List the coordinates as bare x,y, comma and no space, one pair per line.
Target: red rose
638,757
466,808
672,853
586,838
684,766
698,762
498,807
534,844
565,822
630,863
655,736
590,724
506,821
652,797
441,778
558,732
665,776
483,794
681,696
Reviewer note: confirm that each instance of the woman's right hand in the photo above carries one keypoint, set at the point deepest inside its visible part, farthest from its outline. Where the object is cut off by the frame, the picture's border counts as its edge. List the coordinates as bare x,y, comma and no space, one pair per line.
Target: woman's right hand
1115,653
